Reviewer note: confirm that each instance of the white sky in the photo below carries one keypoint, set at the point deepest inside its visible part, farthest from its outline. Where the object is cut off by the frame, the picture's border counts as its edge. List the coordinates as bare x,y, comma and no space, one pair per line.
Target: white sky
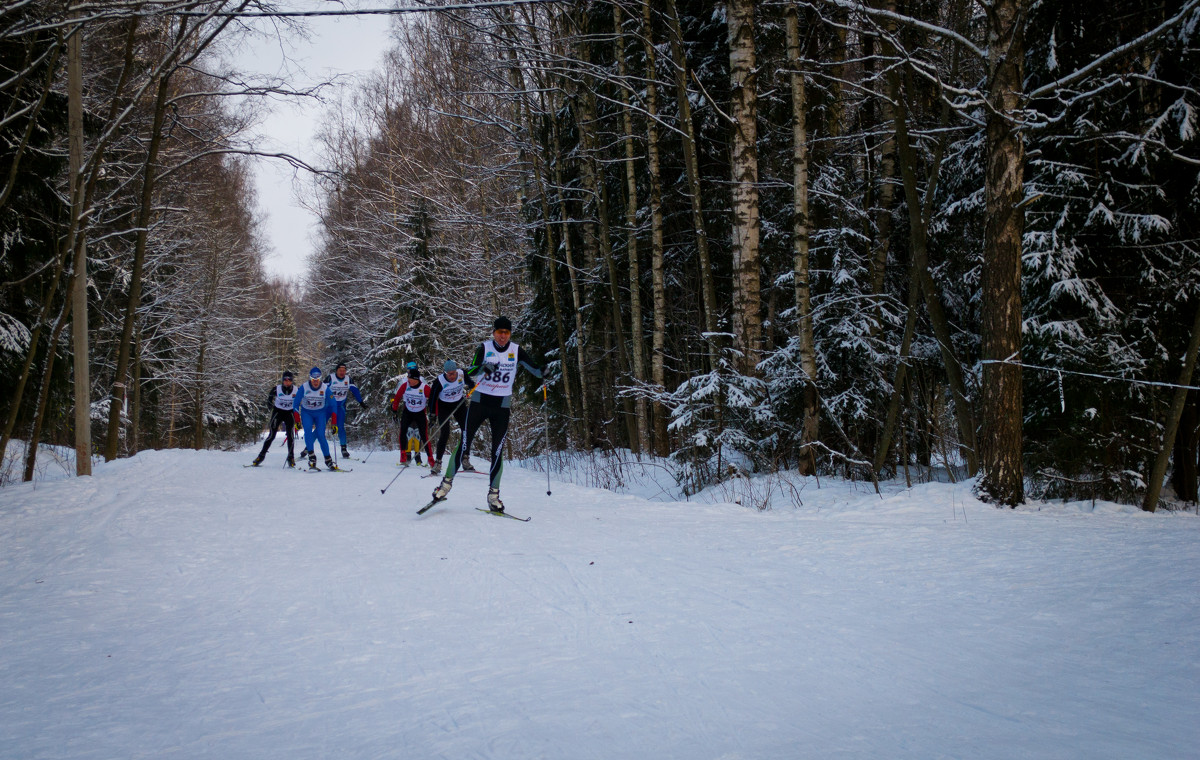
346,45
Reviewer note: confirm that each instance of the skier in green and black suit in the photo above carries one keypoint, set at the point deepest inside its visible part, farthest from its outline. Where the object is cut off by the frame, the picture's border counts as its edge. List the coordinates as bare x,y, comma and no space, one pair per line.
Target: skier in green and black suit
497,360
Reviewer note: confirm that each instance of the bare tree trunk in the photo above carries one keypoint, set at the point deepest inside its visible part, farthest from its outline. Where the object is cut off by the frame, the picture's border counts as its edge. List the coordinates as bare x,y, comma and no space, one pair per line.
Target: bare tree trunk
691,163
635,286
1000,282
79,315
631,243
35,433
19,393
893,412
576,298
918,216
173,405
809,430
658,286
1158,472
1185,458
747,293
135,410
198,405
551,260
116,397
593,178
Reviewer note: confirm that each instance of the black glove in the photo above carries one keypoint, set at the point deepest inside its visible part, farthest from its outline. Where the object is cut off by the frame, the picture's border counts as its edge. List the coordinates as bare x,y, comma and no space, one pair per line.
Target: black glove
396,416
490,367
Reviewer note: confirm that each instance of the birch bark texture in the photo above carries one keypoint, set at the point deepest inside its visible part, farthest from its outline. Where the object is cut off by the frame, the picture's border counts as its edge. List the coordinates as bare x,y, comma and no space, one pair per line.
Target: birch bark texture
747,289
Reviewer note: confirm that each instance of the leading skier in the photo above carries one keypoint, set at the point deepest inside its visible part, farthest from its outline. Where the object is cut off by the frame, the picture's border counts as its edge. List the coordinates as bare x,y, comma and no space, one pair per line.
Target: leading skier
498,360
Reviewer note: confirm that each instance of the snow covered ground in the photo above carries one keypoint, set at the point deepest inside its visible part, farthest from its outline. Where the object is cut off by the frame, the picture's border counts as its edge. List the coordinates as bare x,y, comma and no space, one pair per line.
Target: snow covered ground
178,605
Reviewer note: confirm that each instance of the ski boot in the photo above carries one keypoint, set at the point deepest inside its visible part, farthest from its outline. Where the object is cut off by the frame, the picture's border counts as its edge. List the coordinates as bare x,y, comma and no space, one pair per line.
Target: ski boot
494,503
291,461
435,467
443,488
467,466
259,459
418,458
345,453
329,463
305,454
312,461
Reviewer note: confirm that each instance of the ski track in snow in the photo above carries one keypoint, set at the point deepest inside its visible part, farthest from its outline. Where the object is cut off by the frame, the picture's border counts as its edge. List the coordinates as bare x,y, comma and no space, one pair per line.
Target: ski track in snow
178,605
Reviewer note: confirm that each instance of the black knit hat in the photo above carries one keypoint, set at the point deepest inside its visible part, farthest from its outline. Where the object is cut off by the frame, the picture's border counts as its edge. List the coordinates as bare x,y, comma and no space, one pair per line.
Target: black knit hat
502,323
287,375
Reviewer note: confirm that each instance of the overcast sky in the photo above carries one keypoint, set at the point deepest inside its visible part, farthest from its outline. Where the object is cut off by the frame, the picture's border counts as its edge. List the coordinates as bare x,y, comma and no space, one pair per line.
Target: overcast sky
349,45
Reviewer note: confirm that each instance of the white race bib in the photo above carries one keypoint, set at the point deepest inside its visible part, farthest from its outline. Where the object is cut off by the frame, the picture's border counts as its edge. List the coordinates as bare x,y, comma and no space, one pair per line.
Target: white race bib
284,399
414,398
314,399
452,390
339,389
499,382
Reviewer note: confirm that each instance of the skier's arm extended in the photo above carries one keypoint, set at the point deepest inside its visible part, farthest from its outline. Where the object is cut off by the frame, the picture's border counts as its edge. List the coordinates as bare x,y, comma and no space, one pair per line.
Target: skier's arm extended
526,362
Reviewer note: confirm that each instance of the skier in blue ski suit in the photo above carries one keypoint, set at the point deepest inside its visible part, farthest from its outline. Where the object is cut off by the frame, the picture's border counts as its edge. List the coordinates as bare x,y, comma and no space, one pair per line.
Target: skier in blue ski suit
313,402
340,390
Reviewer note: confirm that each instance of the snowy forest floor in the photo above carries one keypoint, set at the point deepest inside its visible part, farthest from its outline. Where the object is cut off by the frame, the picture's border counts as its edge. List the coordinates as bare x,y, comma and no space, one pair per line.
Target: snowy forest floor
178,605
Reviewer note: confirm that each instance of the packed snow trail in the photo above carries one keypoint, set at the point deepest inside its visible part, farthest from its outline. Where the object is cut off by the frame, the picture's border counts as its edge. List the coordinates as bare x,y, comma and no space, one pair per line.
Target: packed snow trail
178,605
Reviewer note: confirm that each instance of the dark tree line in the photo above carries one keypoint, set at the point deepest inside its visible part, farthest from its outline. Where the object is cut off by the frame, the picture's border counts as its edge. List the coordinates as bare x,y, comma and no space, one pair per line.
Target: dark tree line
867,237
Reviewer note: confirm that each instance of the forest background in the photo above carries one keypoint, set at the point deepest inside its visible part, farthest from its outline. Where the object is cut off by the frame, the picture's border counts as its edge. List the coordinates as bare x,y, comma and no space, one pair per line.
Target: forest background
951,238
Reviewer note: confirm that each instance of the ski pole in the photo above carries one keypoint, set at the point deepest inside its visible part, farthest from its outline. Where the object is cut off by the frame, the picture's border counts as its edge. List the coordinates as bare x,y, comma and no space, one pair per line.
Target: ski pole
374,448
393,480
465,401
546,423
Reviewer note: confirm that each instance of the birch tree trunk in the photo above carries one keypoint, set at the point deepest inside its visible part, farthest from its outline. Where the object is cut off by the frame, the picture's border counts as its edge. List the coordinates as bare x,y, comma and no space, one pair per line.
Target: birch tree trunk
1001,444
810,428
658,286
637,348
747,290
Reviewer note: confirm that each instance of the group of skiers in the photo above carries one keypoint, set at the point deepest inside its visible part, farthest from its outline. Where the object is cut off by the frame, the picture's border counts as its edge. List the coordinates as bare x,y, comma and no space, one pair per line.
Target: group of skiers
480,393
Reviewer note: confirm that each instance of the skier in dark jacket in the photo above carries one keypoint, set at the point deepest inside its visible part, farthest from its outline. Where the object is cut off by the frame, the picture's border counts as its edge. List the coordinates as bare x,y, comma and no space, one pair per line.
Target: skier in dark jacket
448,391
282,402
497,360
